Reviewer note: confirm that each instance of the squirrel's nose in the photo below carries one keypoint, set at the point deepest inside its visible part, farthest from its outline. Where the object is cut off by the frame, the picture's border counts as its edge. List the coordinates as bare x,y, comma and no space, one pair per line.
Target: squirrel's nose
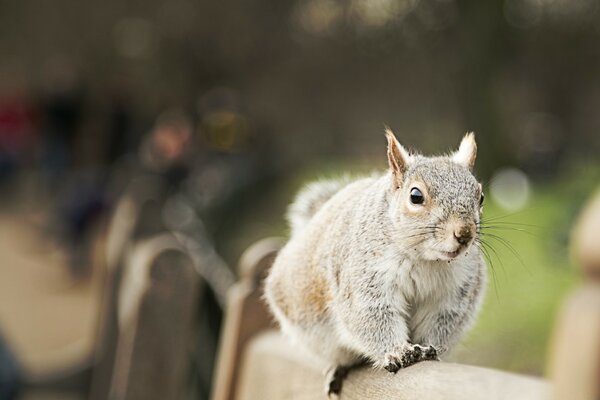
463,235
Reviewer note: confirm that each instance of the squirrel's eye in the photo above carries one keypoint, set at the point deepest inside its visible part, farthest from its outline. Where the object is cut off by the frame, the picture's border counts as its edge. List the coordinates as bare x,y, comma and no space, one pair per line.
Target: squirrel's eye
481,199
416,197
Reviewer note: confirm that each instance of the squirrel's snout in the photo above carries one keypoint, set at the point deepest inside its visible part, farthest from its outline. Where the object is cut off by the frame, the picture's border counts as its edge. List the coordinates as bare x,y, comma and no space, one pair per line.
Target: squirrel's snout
463,234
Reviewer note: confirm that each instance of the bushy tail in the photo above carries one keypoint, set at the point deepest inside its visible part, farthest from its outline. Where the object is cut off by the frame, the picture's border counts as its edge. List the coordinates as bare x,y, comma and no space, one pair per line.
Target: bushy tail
310,199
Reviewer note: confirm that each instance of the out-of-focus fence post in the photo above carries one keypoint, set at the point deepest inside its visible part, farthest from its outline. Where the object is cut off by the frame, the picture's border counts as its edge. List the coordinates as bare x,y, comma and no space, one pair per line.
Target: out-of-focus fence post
157,303
246,315
575,363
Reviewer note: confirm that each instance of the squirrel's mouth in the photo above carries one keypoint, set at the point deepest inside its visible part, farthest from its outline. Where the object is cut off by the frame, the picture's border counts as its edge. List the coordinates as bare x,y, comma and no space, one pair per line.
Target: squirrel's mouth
451,254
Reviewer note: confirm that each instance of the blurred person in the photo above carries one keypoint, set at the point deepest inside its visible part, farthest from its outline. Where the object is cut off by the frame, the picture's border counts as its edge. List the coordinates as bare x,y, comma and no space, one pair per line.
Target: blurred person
168,148
83,164
161,164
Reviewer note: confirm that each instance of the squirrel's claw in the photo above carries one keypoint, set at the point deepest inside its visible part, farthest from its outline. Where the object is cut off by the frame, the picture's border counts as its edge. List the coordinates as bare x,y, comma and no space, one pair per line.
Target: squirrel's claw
407,355
428,353
392,363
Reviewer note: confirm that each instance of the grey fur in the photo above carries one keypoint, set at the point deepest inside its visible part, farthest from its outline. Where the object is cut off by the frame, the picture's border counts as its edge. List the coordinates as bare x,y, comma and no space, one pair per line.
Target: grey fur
373,276
310,200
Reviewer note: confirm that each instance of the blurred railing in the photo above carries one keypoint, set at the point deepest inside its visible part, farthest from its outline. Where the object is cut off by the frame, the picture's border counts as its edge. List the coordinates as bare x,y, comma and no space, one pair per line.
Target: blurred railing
154,288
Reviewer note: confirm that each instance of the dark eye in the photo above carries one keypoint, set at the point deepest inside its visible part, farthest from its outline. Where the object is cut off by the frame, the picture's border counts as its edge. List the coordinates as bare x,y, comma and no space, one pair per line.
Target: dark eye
481,199
416,197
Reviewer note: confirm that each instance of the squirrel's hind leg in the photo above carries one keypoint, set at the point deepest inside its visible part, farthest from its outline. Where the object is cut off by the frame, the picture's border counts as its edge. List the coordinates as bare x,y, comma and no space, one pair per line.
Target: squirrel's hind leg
337,375
335,379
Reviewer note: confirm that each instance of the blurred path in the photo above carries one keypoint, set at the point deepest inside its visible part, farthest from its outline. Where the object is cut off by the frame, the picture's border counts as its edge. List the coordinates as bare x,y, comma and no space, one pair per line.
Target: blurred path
48,319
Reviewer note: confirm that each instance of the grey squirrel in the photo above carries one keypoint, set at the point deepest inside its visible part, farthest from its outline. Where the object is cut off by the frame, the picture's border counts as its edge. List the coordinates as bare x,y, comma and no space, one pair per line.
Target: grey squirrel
383,269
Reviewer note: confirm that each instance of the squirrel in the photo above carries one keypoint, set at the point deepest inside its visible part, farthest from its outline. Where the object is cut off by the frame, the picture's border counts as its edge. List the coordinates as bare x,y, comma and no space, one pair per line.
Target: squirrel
385,269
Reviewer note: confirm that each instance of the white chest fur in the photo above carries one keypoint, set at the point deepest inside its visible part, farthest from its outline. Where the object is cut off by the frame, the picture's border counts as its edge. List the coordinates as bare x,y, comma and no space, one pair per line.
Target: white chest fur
424,284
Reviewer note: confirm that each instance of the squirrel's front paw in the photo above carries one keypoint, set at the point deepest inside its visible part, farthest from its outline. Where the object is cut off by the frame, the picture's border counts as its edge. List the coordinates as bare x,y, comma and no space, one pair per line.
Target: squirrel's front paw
408,354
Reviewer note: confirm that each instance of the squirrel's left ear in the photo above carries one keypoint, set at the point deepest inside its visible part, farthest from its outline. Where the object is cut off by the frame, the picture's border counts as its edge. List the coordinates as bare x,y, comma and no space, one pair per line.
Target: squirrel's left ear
398,158
467,152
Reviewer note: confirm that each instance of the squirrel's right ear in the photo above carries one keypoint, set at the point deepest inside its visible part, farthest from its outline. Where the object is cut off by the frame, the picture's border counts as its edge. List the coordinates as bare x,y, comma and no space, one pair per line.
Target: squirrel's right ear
467,151
398,158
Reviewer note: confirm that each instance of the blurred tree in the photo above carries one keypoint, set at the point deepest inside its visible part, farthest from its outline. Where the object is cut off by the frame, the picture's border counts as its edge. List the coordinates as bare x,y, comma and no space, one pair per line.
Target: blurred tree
328,74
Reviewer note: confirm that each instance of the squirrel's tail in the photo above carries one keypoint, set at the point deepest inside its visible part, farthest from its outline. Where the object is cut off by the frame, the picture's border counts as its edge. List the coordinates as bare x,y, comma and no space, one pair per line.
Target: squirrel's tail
310,199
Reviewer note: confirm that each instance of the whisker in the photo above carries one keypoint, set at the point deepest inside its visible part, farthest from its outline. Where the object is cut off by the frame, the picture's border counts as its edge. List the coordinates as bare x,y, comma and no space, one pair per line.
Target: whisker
508,228
490,263
505,215
486,222
508,245
492,249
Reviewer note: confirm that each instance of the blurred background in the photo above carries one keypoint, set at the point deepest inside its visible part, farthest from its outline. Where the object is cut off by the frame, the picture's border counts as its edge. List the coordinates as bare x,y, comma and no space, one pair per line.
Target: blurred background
216,113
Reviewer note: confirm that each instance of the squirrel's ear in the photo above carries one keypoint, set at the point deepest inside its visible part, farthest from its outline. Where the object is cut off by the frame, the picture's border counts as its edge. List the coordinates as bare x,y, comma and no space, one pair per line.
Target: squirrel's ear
398,157
467,152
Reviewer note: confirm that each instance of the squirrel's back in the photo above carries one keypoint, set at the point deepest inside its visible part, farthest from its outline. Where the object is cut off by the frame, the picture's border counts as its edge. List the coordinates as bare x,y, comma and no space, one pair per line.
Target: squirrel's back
328,231
310,200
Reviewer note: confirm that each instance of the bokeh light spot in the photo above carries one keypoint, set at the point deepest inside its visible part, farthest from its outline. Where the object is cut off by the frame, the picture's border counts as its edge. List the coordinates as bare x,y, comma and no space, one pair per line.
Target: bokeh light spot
510,189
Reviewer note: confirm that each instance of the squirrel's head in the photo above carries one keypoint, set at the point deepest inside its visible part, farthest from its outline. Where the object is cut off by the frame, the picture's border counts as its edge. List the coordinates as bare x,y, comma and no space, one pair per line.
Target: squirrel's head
436,201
